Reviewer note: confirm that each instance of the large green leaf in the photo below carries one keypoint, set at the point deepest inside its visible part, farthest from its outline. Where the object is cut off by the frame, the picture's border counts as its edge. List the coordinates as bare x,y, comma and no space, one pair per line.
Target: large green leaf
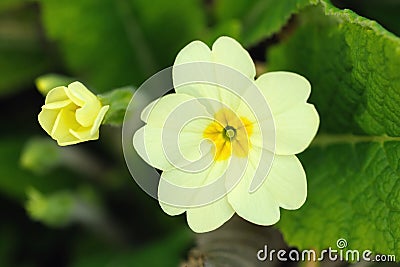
386,12
353,167
23,54
258,18
110,44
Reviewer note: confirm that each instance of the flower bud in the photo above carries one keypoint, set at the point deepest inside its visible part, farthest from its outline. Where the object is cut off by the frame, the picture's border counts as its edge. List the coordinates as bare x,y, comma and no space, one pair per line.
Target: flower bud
72,114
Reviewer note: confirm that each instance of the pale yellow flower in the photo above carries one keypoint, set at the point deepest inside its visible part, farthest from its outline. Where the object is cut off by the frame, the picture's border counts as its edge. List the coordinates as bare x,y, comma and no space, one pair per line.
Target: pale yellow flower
72,114
226,128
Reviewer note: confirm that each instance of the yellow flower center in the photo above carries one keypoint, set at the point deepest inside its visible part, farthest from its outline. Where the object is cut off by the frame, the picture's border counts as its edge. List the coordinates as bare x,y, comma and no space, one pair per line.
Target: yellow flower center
230,134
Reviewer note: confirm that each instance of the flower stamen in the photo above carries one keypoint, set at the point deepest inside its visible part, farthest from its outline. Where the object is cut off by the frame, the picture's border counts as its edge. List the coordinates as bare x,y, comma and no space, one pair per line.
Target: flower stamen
230,134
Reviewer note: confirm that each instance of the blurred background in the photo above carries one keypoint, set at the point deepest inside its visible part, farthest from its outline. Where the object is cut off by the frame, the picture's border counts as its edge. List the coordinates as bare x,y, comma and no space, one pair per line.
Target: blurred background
78,206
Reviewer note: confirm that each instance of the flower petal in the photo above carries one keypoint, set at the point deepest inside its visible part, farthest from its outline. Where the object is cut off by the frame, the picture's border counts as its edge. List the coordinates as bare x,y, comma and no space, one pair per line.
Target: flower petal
87,114
214,98
64,122
296,122
229,52
47,118
68,140
165,117
171,210
99,119
226,51
191,142
56,94
283,90
146,111
287,182
259,207
192,179
195,51
86,100
79,94
179,104
209,217
168,148
85,134
147,142
57,104
295,129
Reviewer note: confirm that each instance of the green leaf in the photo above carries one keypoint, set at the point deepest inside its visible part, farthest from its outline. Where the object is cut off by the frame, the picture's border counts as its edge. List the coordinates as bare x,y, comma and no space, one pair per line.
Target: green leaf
231,28
61,208
23,55
118,99
386,12
110,44
41,155
353,167
259,18
353,194
54,210
14,180
169,27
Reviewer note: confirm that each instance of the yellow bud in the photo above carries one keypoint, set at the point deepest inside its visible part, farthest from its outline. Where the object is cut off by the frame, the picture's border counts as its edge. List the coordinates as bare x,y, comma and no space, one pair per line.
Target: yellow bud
72,114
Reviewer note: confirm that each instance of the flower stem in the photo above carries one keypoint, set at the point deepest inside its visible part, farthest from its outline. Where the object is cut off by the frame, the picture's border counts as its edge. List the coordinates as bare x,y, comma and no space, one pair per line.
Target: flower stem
323,140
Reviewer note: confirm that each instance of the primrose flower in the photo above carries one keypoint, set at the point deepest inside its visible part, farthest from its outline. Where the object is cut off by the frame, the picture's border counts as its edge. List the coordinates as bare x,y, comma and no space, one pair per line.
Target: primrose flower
72,114
225,130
